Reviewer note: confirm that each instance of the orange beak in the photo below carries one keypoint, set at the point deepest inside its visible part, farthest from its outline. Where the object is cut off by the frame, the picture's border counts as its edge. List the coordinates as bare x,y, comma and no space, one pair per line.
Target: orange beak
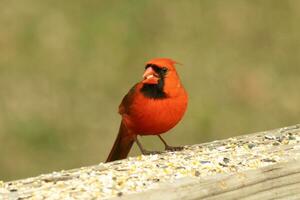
150,77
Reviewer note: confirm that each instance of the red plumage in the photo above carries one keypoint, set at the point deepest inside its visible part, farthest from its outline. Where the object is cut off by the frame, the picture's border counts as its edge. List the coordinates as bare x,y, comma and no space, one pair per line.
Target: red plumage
152,107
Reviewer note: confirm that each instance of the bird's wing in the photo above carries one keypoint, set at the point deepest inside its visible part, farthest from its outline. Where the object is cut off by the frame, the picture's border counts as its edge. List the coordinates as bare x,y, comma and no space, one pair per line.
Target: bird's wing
127,101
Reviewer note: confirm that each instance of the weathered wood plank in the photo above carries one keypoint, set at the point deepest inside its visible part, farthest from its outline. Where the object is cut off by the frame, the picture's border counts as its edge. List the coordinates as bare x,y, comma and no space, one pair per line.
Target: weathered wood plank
279,181
263,165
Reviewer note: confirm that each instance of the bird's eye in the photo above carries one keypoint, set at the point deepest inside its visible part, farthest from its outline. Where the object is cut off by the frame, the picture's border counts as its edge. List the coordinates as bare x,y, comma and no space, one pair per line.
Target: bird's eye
164,69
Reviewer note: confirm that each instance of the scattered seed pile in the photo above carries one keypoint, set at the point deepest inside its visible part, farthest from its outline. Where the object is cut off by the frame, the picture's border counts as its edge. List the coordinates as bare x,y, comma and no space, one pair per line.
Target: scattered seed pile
143,172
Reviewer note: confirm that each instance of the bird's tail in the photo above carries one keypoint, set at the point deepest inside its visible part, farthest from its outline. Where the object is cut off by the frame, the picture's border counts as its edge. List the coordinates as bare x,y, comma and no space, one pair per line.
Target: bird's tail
122,145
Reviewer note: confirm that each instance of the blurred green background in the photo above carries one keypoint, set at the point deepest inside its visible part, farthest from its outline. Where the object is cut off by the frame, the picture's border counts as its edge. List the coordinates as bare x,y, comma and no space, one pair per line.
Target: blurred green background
65,66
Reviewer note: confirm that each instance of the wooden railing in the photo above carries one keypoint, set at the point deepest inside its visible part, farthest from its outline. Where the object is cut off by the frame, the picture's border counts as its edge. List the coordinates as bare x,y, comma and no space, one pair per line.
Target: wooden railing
263,165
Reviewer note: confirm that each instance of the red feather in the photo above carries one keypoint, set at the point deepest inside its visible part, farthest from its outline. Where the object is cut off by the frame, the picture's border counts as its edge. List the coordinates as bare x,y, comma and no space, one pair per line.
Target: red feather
143,114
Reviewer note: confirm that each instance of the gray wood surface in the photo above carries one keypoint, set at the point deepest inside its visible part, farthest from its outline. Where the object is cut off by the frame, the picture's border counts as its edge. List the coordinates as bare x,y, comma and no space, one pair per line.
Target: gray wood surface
278,181
264,165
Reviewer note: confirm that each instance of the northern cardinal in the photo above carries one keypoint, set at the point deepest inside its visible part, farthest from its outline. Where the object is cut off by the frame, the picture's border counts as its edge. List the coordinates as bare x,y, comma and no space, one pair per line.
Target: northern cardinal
152,107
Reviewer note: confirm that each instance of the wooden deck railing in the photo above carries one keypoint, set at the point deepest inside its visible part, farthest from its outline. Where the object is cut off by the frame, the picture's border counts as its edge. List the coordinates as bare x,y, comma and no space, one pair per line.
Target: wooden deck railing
263,165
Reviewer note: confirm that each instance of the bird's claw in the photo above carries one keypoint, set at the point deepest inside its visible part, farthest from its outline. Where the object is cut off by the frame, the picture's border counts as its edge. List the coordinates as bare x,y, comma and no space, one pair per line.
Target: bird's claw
146,152
170,148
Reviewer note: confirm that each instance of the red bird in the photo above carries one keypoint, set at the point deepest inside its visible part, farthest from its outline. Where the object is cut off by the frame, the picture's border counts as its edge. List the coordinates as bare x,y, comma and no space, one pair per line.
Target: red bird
152,107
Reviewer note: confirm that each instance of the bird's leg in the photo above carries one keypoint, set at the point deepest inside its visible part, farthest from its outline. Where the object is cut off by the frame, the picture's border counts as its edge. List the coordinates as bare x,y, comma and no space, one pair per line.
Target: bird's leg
169,148
144,151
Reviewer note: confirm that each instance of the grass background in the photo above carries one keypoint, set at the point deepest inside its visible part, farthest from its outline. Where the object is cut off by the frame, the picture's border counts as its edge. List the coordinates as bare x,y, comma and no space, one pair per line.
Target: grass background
65,66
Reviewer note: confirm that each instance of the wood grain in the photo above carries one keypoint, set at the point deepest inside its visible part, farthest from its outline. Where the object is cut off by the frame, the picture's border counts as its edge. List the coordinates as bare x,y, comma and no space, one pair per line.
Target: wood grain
264,165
